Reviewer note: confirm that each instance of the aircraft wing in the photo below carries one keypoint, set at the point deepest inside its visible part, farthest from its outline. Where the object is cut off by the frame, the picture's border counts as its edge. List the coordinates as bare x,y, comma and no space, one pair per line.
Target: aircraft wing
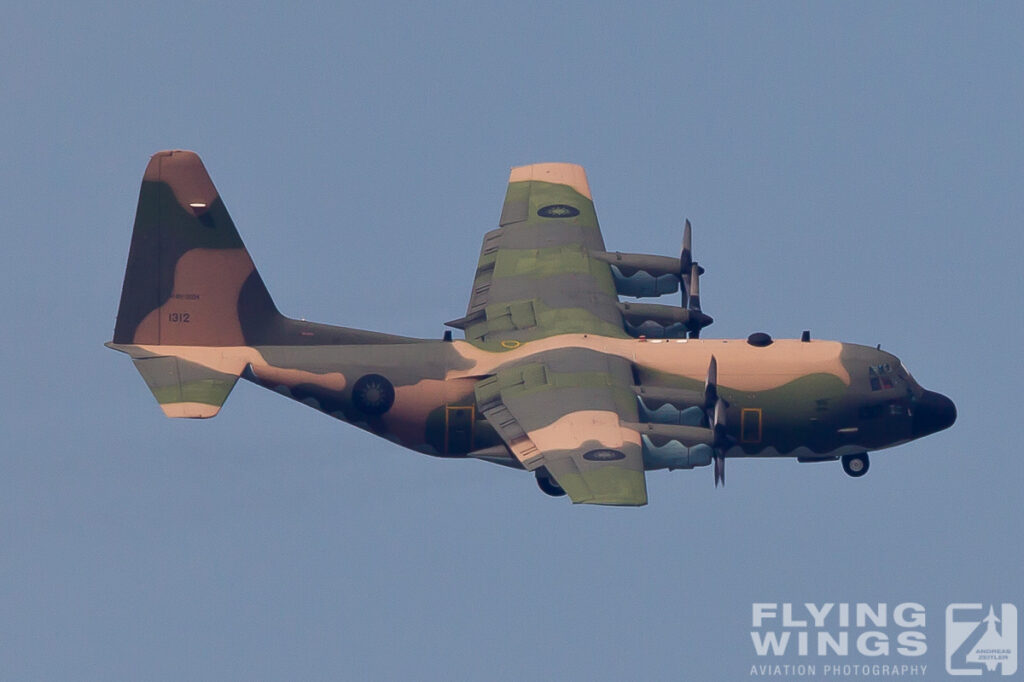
572,416
536,275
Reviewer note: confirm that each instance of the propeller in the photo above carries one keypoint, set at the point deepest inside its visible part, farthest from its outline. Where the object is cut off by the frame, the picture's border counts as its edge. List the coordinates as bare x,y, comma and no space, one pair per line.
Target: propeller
689,275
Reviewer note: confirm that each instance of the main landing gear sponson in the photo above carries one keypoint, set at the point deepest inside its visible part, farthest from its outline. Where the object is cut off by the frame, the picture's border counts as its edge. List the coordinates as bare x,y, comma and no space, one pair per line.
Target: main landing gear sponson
856,465
548,485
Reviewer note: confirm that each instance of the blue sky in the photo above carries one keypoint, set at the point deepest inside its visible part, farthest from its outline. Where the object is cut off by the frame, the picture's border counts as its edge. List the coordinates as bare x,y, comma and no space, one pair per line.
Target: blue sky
853,169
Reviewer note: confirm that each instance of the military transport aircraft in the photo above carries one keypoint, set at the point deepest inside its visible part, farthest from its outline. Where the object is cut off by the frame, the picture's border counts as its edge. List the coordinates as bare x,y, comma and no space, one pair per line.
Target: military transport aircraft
555,375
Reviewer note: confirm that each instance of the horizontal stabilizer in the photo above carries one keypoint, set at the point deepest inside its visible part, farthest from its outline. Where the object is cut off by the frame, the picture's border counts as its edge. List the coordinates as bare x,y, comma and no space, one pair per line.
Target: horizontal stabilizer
183,388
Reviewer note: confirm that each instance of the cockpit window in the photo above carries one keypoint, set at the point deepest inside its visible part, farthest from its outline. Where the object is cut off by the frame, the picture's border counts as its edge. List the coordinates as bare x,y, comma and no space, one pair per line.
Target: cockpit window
880,376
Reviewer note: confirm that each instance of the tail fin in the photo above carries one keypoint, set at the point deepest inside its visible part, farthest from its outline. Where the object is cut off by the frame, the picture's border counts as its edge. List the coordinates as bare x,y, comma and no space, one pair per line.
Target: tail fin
189,280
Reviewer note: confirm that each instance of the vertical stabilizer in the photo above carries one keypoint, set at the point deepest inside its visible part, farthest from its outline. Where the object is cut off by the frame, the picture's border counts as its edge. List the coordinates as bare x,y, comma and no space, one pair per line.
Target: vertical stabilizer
189,280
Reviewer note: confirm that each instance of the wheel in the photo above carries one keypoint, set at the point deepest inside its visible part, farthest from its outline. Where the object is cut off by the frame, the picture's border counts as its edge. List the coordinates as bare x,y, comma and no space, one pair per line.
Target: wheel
856,465
548,485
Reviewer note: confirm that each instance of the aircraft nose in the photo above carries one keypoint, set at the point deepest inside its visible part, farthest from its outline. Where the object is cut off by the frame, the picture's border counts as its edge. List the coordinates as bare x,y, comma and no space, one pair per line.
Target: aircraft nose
933,412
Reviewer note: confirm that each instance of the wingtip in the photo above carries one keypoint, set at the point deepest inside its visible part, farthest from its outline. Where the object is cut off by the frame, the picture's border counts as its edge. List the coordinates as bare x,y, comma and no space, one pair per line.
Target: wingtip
569,174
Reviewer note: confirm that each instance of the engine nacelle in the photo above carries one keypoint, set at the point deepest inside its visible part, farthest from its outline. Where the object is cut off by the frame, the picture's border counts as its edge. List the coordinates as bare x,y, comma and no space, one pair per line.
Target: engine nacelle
668,446
642,275
656,321
675,455
670,405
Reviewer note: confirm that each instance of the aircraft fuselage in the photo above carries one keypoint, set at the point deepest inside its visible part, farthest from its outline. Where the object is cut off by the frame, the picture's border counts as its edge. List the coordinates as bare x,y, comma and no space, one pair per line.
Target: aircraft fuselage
807,399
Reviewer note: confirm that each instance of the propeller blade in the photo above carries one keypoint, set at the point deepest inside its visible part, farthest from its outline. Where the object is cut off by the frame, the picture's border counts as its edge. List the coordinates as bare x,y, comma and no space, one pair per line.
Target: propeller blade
698,320
685,262
693,301
689,277
718,422
718,426
711,387
686,257
694,289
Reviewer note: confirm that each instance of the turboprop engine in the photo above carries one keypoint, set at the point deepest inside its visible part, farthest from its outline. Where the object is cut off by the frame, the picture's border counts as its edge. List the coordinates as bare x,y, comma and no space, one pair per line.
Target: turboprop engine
683,429
658,321
642,275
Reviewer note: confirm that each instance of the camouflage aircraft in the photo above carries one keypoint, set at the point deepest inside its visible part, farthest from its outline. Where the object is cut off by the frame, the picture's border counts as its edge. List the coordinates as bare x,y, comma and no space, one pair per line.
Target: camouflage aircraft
555,374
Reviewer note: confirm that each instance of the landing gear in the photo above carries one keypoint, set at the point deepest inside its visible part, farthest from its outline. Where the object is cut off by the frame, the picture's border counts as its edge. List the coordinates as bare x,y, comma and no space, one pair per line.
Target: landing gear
548,485
856,465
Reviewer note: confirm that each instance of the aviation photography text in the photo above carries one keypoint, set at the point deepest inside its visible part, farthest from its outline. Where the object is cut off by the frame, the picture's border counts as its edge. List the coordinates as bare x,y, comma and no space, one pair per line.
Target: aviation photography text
829,639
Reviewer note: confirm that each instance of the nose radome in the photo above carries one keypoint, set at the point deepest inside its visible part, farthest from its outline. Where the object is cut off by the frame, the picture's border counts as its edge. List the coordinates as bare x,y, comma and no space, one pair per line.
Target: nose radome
934,412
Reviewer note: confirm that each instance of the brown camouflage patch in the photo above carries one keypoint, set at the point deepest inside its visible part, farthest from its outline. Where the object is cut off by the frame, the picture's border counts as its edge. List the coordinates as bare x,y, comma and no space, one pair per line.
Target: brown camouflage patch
184,172
203,307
